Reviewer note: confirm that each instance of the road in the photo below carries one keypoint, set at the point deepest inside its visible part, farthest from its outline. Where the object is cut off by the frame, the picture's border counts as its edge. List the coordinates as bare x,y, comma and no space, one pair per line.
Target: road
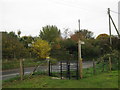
7,74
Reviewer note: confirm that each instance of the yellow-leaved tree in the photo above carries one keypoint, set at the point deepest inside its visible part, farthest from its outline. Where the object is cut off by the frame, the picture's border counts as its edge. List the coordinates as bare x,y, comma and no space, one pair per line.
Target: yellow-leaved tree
41,48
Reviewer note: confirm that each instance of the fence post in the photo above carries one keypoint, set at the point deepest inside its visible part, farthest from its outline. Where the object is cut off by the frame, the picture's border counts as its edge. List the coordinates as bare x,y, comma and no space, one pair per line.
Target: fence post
61,69
94,70
49,68
103,65
110,64
21,69
80,62
23,66
77,70
68,69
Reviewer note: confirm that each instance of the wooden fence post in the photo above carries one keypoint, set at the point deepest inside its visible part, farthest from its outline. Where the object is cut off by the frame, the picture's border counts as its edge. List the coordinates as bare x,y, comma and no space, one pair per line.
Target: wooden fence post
110,64
61,69
21,69
68,69
103,65
80,68
77,70
49,68
94,70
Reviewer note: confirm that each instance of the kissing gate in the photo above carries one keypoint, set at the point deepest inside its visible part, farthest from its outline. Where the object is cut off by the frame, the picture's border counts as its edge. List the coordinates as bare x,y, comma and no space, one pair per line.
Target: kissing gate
64,69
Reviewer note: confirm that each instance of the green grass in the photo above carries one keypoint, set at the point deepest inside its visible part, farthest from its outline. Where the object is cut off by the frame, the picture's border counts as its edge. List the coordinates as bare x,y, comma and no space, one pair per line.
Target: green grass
13,64
103,80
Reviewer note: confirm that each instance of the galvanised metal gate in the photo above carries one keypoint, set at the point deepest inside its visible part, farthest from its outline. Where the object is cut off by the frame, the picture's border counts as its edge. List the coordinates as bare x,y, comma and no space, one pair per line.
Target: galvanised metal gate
64,69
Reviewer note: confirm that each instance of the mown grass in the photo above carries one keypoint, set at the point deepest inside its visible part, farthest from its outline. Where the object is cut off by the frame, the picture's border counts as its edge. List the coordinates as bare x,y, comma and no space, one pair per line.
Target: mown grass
103,80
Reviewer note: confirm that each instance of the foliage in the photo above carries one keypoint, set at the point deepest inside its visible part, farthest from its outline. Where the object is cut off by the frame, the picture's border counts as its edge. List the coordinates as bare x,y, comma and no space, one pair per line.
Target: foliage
102,36
12,47
114,55
82,34
66,48
61,55
19,32
41,48
69,45
11,34
116,43
50,33
27,40
89,50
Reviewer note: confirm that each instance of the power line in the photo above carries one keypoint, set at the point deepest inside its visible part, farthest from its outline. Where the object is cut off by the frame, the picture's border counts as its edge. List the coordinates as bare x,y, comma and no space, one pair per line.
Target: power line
115,12
69,5
72,5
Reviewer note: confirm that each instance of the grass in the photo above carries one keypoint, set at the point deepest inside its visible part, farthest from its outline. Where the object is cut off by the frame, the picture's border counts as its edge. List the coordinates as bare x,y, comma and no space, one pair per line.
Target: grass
103,80
13,64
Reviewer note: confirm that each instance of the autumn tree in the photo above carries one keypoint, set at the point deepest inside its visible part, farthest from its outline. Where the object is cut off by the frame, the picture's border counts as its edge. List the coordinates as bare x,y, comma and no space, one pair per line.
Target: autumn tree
41,48
102,36
82,34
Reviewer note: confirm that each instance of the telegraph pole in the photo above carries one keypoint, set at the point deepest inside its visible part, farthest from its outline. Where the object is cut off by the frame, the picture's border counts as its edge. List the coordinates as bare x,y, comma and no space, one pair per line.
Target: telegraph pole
110,37
79,45
109,26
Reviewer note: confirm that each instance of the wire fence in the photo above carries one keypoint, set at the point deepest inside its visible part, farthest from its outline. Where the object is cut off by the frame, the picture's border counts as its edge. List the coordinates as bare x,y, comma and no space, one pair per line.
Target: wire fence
70,70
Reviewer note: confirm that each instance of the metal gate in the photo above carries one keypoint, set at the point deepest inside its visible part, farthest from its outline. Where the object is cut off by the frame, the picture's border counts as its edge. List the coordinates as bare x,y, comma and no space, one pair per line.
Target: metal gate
64,69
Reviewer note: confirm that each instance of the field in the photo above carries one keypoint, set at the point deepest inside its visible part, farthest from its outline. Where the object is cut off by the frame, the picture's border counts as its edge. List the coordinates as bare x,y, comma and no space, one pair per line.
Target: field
103,80
13,64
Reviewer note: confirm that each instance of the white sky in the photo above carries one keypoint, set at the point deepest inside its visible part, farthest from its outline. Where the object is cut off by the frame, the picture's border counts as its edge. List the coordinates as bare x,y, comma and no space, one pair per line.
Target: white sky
31,15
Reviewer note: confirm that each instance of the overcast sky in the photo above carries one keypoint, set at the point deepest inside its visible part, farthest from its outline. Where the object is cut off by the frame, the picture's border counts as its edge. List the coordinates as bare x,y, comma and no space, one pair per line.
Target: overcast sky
31,15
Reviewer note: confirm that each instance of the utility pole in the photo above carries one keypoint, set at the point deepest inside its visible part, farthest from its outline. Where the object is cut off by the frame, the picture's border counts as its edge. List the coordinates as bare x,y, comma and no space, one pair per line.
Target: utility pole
110,18
109,26
110,37
79,45
79,52
115,27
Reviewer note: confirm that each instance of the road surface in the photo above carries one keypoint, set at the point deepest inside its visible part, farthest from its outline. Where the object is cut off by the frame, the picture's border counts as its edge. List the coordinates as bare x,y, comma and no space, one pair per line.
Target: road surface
7,74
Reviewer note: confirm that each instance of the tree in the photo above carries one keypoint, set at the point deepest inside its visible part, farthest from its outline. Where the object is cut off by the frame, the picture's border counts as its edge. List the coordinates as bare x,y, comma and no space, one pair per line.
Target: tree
103,42
26,40
12,47
82,34
19,32
41,48
102,36
50,33
12,34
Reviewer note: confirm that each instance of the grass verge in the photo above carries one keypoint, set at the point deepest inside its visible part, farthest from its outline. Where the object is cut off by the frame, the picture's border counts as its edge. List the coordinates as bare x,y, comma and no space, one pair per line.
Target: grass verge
104,80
